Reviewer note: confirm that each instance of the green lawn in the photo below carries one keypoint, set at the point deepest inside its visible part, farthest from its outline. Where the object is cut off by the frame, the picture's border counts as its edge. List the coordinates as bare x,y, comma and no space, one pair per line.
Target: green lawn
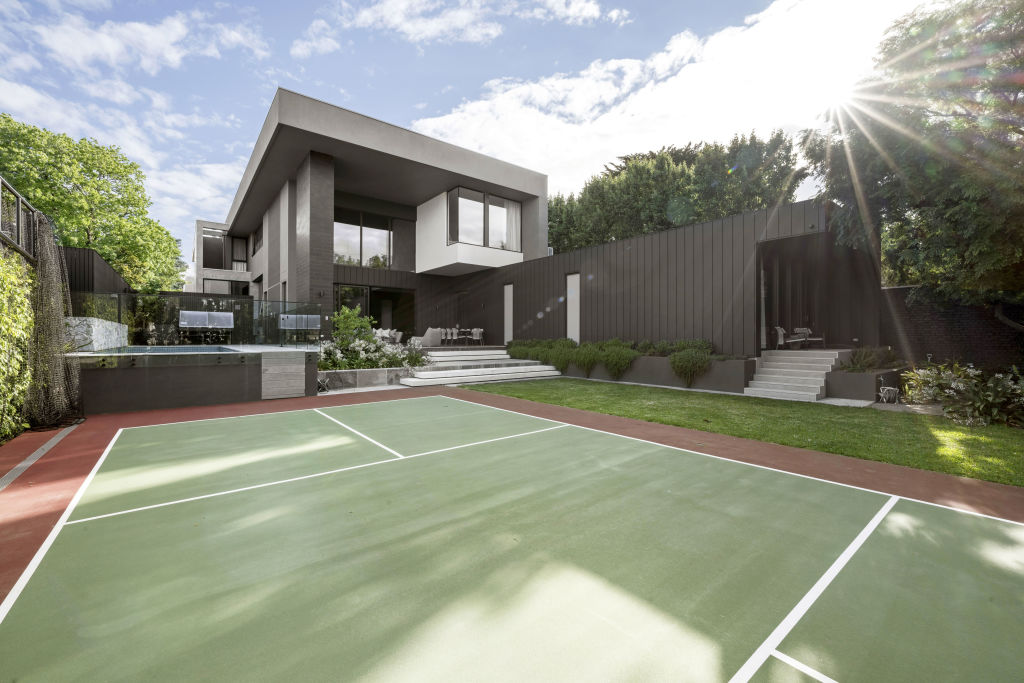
994,453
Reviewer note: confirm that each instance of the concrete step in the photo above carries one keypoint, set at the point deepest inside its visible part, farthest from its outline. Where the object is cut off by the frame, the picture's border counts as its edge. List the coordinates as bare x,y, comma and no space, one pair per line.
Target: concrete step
475,379
810,353
427,373
806,381
819,391
434,351
781,394
783,372
824,366
496,363
437,358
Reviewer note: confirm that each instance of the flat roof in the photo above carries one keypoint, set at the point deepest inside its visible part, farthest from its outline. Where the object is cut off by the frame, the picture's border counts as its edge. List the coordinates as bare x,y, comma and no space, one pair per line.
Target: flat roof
372,158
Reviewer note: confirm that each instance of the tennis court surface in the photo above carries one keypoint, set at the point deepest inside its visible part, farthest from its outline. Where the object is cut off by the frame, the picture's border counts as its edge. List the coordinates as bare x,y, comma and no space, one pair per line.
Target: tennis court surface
435,539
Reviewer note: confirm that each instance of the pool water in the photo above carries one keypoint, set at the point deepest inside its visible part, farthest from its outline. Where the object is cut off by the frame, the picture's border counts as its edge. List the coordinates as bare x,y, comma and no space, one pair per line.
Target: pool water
184,348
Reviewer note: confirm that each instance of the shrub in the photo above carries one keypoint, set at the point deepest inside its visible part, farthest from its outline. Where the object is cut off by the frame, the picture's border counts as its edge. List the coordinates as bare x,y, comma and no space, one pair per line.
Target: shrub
645,347
966,395
586,358
614,344
15,332
664,348
689,364
355,347
697,344
867,358
617,359
560,357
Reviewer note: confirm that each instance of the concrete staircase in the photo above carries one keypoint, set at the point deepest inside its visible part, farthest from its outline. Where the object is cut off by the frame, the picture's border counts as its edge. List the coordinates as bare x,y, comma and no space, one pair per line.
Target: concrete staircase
465,366
794,375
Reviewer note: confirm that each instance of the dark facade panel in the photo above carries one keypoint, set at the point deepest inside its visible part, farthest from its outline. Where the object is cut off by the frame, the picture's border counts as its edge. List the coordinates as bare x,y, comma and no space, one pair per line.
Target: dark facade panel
88,272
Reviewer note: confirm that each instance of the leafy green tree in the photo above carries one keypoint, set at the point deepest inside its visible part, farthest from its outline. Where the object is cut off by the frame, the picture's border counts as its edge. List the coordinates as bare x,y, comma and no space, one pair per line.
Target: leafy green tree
96,197
653,191
926,163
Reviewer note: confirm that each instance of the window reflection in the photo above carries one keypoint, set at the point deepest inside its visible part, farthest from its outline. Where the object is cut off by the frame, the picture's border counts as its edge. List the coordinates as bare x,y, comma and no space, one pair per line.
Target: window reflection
362,239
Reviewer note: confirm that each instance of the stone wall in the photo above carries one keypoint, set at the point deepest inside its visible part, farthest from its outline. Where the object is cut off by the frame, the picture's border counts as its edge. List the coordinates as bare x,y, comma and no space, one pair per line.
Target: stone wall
95,334
970,334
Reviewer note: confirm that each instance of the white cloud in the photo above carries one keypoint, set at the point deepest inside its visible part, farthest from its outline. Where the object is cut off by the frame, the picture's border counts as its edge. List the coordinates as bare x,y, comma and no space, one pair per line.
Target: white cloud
318,40
112,89
443,21
78,44
781,69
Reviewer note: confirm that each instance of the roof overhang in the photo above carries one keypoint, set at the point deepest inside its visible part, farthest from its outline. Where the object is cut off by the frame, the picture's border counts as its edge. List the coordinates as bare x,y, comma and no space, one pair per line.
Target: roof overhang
372,159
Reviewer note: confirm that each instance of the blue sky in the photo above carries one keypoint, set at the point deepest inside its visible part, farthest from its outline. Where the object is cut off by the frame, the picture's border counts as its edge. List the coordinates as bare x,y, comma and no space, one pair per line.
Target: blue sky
560,86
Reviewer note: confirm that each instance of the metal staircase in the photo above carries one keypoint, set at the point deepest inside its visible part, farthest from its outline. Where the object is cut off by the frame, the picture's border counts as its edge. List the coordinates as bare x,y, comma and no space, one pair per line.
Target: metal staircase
794,375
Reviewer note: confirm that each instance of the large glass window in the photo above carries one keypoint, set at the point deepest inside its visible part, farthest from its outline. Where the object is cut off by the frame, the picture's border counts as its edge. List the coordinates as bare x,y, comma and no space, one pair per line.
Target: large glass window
362,239
351,296
484,219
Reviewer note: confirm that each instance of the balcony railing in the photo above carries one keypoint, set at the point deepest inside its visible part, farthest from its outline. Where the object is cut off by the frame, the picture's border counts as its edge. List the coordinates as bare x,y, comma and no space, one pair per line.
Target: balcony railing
19,220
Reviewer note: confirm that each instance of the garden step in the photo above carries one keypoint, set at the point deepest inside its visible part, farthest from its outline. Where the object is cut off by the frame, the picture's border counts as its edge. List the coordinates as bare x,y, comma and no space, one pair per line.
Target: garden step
467,356
802,380
434,351
781,394
779,365
783,386
476,363
525,373
834,355
426,373
785,372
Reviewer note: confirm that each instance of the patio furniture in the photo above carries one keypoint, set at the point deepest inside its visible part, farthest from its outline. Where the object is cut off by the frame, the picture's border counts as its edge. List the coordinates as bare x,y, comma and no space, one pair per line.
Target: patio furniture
809,336
432,337
478,335
397,337
782,339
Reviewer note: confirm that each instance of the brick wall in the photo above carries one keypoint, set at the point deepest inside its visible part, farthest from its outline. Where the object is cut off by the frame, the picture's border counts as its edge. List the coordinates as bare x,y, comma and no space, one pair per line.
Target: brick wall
948,332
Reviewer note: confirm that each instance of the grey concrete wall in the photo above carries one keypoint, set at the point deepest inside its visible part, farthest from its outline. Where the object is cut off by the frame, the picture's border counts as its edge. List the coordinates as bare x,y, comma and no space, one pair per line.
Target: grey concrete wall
314,231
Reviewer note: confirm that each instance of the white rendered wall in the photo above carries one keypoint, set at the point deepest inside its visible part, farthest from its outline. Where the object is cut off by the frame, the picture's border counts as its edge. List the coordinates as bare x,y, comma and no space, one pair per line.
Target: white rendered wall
572,307
432,249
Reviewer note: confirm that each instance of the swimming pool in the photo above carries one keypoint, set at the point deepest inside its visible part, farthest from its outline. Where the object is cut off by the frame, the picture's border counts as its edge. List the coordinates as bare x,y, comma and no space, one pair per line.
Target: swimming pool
183,348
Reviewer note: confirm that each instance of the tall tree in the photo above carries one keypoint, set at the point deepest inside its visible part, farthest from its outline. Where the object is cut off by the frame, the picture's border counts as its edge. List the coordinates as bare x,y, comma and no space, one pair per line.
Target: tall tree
96,197
926,162
653,191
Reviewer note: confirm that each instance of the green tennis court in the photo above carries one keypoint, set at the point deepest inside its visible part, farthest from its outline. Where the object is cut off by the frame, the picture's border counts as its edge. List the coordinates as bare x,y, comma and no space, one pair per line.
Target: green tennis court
433,539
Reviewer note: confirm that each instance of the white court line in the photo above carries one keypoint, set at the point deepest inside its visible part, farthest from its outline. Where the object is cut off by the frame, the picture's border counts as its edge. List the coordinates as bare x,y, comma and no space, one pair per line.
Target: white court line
776,637
300,478
477,443
800,666
741,462
8,603
9,478
281,412
358,433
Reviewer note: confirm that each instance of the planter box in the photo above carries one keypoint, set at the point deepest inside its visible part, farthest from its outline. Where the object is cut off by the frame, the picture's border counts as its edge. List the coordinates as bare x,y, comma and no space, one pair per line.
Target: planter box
723,375
862,386
357,379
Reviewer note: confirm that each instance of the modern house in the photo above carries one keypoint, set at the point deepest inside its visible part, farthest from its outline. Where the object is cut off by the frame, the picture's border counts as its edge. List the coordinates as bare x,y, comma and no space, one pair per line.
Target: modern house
341,209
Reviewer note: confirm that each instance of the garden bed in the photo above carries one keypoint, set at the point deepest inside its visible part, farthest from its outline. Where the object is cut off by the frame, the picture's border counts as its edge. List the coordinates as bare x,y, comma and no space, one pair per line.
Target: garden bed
357,379
722,375
861,386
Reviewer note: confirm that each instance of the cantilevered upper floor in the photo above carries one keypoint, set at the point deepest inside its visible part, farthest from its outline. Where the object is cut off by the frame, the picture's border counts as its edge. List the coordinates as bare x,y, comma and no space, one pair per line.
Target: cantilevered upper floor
327,186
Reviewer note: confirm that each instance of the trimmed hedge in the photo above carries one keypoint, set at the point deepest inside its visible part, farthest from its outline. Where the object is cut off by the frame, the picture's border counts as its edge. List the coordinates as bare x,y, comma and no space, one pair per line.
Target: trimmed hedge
15,332
689,364
616,355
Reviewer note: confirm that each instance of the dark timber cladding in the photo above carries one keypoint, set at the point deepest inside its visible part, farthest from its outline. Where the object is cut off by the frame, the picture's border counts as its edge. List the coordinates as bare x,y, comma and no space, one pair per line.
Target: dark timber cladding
88,272
698,281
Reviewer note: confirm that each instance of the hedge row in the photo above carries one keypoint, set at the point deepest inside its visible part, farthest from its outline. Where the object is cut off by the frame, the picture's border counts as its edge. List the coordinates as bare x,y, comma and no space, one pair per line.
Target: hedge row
689,358
15,333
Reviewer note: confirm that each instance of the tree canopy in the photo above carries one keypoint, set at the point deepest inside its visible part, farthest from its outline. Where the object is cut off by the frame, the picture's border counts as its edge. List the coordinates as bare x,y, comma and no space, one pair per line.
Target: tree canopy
96,197
653,191
926,162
